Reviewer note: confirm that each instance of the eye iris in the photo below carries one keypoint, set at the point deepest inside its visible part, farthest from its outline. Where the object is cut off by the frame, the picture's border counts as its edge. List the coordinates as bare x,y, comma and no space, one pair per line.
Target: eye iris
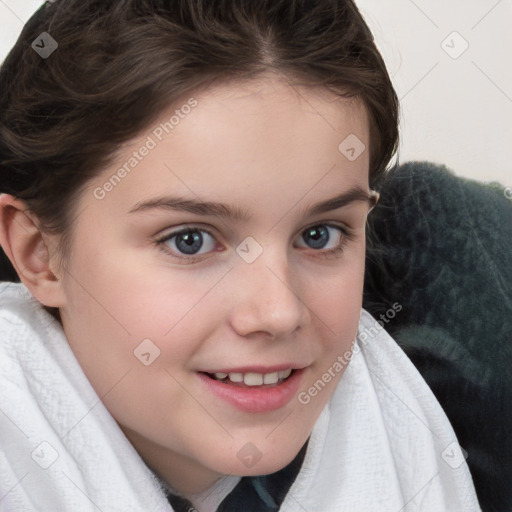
189,242
316,237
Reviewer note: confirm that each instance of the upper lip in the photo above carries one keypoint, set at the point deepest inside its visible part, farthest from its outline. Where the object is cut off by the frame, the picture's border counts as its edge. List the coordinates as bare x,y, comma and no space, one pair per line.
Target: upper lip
258,369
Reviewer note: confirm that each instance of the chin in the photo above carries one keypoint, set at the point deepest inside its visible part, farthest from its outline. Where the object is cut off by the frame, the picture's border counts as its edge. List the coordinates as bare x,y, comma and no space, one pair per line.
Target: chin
249,460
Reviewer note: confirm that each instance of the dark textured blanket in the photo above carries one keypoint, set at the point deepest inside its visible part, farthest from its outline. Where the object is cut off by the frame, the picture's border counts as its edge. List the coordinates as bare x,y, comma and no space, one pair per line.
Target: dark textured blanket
441,246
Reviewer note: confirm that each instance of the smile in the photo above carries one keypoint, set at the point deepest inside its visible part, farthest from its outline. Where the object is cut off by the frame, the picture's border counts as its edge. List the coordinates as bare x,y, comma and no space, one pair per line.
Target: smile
251,391
252,378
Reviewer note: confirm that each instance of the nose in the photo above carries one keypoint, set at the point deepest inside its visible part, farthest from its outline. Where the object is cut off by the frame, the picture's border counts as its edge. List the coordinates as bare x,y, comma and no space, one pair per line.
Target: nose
267,300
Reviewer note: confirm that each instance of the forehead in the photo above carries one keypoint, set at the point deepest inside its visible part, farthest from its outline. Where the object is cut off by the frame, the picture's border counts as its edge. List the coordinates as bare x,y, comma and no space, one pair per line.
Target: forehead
246,139
271,104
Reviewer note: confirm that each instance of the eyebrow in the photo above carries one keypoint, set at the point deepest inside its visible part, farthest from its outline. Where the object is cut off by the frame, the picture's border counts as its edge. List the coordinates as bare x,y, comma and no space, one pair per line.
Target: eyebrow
210,208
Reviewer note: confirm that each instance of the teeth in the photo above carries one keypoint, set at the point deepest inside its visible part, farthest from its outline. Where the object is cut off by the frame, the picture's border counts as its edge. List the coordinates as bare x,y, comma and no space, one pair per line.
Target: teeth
284,374
270,378
255,379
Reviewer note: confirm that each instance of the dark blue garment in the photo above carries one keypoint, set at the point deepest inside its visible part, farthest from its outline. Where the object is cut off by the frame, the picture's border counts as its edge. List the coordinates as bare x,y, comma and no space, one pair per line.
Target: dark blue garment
254,493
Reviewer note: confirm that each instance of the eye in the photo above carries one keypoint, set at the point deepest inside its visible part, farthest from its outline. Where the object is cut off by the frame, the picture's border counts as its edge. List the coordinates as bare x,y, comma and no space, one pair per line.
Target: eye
323,237
188,242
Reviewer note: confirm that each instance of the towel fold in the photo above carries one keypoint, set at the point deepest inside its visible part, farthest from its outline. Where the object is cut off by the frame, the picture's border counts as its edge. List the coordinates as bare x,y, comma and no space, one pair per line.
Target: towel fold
382,442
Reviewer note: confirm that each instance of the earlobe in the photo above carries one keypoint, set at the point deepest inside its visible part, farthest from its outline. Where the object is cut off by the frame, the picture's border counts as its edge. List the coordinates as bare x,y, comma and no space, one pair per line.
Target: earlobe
27,249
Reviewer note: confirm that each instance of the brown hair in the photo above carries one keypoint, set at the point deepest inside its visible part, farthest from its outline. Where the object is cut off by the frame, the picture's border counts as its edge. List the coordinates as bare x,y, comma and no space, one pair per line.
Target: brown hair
119,63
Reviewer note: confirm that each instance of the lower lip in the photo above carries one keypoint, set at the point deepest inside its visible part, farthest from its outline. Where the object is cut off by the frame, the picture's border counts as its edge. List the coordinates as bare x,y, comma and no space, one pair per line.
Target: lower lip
256,399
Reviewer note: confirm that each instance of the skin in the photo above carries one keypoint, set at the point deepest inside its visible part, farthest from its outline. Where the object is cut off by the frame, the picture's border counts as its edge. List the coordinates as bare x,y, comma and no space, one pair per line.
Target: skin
271,150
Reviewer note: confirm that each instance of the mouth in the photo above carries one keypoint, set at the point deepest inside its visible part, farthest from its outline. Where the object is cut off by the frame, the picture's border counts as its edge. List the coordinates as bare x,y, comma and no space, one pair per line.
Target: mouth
252,379
251,391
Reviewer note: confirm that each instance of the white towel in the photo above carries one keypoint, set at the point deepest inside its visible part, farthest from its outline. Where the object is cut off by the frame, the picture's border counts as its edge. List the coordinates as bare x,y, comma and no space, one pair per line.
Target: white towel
381,443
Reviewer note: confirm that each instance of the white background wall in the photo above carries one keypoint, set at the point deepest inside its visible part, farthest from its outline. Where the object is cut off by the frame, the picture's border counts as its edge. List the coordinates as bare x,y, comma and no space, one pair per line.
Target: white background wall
456,107
456,111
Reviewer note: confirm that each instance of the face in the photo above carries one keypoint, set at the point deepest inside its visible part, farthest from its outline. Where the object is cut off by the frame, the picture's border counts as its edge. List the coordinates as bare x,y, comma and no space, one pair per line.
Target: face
233,244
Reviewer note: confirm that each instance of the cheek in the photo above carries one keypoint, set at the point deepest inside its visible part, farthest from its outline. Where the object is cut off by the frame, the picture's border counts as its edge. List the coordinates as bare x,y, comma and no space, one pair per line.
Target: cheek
127,300
337,306
135,290
337,297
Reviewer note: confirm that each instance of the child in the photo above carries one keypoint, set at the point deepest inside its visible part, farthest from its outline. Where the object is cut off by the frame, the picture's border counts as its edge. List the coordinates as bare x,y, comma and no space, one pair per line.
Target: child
185,191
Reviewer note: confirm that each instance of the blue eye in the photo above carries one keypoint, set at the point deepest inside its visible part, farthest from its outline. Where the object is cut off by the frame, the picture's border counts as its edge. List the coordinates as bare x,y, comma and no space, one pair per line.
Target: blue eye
189,242
323,237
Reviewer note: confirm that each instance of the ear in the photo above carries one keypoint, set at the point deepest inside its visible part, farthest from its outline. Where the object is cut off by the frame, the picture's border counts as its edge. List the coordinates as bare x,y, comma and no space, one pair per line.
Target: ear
29,251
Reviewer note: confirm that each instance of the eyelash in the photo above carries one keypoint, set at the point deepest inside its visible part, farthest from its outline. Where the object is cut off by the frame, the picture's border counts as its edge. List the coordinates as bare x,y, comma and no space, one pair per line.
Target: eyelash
347,235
